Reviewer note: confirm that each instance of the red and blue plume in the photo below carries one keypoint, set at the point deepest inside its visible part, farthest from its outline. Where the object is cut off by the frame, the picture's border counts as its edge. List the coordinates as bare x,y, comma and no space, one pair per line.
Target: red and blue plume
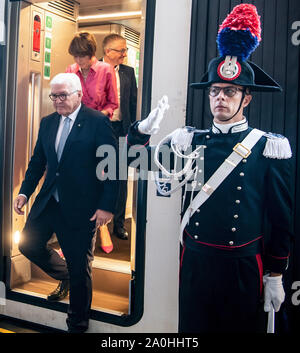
240,33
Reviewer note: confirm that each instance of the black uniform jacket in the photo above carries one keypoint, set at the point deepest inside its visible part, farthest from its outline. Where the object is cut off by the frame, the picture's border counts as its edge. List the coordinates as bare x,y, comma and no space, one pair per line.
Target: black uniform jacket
80,192
251,211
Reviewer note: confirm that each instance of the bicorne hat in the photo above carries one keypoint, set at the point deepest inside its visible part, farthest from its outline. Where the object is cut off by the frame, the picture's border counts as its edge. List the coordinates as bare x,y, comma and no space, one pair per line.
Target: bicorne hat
238,36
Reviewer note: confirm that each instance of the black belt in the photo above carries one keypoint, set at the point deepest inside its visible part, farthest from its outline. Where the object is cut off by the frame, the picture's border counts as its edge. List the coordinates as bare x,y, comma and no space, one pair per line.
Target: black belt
249,248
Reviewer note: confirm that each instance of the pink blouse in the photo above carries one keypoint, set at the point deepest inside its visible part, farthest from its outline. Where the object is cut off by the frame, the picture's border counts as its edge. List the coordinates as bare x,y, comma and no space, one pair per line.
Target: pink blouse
100,87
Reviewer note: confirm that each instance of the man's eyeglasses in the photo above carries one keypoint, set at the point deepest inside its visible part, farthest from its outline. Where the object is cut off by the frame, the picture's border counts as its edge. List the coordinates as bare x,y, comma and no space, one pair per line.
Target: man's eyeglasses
62,97
121,51
229,91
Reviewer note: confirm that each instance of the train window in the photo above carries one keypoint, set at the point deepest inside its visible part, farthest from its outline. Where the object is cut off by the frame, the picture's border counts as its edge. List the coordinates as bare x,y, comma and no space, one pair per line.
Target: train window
48,28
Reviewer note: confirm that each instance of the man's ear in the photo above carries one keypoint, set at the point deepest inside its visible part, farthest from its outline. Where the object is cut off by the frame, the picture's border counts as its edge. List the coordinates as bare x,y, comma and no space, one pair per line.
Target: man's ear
247,100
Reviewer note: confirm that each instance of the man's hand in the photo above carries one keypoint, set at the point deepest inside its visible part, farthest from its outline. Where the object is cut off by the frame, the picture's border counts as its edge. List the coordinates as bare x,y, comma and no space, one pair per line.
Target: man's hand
274,292
150,125
101,217
19,202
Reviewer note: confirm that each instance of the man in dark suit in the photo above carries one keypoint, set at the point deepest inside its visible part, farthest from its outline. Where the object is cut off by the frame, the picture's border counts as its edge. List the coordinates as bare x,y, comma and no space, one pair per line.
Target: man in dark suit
73,201
115,52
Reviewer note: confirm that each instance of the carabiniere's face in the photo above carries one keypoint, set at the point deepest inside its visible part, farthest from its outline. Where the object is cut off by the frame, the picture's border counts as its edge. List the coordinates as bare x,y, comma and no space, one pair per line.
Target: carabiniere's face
72,101
223,107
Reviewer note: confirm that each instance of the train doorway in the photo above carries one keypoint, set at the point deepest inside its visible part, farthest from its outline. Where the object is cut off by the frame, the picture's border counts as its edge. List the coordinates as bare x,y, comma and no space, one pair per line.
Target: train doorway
38,51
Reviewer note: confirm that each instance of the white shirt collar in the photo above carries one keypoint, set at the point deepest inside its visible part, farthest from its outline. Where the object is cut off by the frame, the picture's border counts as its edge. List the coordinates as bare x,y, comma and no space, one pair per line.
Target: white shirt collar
230,128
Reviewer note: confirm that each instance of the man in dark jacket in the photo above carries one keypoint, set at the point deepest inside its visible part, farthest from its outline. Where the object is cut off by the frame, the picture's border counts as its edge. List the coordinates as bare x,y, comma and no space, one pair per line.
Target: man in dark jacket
73,201
115,52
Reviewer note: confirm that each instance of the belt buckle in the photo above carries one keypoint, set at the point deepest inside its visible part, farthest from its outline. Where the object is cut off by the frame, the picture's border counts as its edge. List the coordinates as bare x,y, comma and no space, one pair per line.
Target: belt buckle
235,148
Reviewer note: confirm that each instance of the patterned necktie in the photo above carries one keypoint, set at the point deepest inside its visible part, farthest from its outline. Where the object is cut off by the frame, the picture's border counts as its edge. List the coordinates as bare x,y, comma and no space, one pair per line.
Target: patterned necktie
63,137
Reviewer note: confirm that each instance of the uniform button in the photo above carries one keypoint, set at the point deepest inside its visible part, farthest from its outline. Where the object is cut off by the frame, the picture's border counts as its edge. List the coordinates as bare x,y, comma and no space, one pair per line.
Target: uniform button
201,158
197,224
242,174
231,242
200,170
239,188
244,160
196,236
198,210
233,229
236,216
57,174
207,136
237,201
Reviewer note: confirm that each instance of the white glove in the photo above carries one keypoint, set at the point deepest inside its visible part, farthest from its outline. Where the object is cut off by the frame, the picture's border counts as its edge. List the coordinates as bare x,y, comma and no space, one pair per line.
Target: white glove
150,125
274,292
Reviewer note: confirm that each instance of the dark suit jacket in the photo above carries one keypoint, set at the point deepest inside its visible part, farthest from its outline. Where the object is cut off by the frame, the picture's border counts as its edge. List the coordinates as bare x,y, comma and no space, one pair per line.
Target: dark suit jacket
80,192
128,94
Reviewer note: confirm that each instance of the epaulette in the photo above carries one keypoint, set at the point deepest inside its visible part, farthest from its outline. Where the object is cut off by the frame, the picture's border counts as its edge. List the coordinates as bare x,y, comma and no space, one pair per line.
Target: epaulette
277,147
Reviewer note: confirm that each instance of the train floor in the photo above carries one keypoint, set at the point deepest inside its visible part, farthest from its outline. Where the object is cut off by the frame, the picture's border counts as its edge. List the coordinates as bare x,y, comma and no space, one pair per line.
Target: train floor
111,277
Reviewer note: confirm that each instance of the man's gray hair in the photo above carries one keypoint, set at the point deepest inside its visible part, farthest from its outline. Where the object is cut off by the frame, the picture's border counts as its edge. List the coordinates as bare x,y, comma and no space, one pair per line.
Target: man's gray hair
71,79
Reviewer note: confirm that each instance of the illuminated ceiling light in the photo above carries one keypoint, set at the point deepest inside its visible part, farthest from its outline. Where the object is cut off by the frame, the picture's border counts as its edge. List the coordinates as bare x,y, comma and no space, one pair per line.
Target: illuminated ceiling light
116,15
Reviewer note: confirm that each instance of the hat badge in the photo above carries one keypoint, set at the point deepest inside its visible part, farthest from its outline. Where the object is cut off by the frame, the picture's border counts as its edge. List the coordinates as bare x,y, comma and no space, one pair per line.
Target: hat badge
229,69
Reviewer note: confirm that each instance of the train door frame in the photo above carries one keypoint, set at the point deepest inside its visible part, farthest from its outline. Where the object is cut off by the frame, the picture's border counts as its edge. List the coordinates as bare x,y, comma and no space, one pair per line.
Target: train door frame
9,86
3,54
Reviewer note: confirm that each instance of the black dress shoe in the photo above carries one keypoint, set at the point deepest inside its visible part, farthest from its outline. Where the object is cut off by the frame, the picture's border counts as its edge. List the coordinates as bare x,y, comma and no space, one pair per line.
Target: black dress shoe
121,233
60,292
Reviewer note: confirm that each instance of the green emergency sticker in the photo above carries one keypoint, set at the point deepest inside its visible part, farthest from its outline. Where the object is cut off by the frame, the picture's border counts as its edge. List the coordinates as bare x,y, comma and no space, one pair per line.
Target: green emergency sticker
46,71
47,57
48,43
49,22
